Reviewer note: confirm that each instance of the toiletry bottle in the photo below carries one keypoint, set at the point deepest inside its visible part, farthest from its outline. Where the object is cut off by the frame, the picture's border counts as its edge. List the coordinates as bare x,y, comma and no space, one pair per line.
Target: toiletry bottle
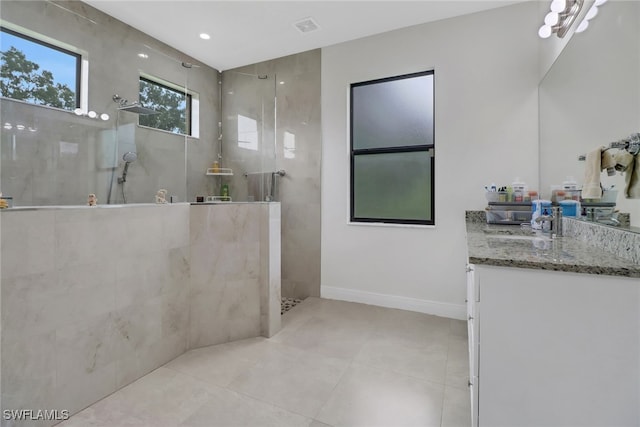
225,192
216,167
569,183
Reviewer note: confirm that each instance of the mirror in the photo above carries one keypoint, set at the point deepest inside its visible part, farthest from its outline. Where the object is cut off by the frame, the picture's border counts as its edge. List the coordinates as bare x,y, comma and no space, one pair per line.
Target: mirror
591,97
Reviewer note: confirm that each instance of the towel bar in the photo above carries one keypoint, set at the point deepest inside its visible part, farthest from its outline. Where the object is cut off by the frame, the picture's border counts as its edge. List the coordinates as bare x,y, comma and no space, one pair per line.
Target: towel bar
631,144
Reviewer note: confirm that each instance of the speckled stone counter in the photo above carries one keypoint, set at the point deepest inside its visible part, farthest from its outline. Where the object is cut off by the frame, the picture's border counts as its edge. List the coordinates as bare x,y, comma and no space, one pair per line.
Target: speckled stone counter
511,246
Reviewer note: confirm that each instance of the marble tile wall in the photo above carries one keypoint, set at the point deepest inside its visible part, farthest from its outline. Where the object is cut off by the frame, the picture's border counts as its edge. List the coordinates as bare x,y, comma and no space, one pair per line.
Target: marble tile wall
296,149
67,156
92,299
235,286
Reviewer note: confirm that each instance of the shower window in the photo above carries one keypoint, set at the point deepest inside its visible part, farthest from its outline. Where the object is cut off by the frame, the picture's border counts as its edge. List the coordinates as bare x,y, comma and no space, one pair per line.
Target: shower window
38,72
175,106
392,150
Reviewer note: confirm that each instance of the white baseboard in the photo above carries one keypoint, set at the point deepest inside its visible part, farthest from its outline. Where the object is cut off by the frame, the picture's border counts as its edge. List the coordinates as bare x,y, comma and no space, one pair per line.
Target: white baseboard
442,309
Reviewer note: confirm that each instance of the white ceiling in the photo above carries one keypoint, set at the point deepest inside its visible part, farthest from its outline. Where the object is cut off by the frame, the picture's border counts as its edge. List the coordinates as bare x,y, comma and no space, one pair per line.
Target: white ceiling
247,32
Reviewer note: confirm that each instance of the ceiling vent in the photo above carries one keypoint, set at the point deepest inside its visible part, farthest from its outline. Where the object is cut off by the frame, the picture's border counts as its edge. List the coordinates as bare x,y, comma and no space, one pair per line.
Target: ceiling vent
306,25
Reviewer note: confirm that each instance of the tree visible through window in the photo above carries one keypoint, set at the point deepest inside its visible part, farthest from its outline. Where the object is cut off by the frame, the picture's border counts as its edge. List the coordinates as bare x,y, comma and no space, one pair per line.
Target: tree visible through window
173,107
23,75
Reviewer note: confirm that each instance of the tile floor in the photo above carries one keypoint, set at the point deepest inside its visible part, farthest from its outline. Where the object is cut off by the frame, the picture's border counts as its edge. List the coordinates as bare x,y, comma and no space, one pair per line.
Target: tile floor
333,364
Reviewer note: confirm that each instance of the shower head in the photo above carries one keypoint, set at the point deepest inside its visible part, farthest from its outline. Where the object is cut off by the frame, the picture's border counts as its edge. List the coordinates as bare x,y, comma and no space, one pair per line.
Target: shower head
137,108
130,157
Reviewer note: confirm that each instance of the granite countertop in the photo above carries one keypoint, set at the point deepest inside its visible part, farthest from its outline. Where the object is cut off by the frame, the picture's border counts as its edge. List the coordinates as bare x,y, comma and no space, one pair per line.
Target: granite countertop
512,246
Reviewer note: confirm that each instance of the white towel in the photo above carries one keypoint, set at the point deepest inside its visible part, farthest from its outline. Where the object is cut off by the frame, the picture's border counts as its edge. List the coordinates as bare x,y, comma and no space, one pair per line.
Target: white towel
632,179
608,162
591,188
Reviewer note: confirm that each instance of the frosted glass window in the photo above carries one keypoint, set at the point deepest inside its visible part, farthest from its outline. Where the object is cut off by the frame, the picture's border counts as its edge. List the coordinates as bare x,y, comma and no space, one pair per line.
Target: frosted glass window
393,113
392,150
393,186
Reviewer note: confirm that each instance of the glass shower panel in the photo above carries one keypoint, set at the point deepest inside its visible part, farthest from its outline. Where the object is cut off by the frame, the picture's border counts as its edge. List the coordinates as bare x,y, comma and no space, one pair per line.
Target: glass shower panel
151,141
52,157
248,129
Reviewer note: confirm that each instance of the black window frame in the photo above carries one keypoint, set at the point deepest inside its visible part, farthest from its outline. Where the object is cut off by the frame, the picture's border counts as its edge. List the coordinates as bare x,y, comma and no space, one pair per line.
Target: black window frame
78,57
189,111
429,148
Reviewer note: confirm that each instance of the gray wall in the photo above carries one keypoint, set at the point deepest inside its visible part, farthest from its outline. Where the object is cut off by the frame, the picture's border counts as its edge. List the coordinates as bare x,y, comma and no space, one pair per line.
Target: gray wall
298,119
39,172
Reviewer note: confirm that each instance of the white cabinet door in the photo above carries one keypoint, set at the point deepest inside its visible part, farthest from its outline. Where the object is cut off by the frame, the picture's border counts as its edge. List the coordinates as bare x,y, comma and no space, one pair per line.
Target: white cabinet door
557,348
472,329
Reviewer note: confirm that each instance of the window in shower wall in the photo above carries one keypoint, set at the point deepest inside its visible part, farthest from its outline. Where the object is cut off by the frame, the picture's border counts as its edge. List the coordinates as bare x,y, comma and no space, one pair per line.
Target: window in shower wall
38,72
392,150
177,108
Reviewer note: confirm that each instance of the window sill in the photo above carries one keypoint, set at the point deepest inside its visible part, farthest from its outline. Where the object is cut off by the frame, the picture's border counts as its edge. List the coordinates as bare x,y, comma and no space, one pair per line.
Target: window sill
386,224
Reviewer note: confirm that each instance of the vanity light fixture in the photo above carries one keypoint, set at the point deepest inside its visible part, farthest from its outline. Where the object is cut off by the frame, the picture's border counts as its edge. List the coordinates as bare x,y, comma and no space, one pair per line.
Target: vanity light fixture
592,13
561,16
91,114
9,126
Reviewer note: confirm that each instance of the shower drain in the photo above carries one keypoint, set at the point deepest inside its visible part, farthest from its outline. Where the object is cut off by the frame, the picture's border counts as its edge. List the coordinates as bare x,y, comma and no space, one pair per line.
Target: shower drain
288,303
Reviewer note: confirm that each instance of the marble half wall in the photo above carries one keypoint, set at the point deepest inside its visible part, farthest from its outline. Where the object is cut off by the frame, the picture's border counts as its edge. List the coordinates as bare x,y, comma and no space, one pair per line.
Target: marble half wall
235,272
94,298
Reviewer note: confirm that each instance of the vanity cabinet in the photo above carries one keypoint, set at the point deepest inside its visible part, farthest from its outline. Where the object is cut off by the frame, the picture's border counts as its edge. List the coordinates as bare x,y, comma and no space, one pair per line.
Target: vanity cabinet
552,348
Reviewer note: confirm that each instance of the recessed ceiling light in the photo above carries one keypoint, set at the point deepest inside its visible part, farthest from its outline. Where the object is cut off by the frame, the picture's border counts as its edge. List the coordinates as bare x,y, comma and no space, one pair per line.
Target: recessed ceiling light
306,25
281,82
205,36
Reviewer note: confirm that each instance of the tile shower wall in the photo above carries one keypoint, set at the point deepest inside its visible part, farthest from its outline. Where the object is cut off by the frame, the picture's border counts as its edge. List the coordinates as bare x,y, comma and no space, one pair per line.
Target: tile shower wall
92,299
68,156
298,151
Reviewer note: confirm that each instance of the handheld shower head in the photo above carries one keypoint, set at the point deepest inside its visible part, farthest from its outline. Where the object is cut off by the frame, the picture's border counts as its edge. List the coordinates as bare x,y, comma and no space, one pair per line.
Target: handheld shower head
128,157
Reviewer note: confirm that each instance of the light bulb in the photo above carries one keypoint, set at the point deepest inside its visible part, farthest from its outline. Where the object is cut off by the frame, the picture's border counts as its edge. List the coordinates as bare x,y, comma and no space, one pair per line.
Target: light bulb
92,114
592,13
205,36
544,31
104,116
20,127
78,111
558,5
552,18
583,26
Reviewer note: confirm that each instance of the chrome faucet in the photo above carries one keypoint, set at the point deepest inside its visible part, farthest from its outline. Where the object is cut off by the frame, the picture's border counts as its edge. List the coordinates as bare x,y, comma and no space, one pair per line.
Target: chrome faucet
555,221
